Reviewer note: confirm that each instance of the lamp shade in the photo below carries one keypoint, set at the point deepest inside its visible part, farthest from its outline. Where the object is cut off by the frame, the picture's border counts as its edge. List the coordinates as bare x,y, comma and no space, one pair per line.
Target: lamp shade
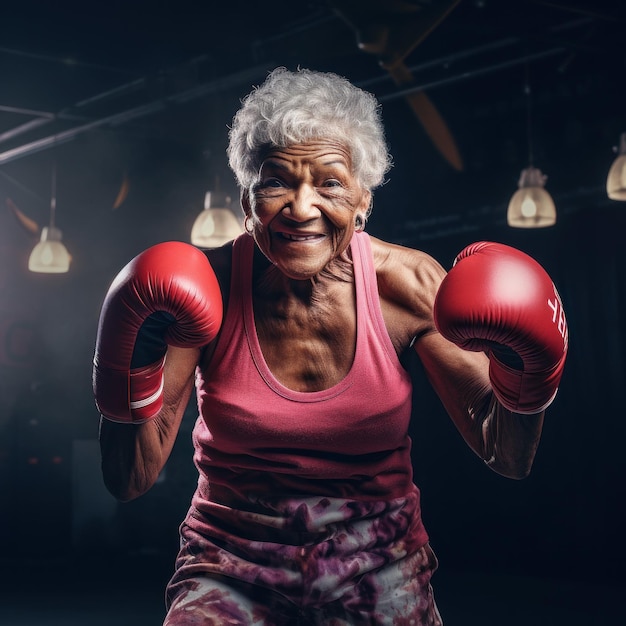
49,256
616,180
215,225
531,205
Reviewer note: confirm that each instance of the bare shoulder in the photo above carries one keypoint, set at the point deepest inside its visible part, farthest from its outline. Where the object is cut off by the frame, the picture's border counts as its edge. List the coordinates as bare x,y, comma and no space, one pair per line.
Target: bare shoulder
408,281
405,273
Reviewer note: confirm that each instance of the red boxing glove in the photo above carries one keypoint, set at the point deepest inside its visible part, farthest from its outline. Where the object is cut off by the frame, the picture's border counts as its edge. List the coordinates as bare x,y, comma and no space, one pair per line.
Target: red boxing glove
167,295
499,300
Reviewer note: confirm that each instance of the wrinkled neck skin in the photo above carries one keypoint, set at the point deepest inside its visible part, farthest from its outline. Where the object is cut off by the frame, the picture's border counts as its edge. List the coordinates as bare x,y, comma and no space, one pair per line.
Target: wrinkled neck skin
270,282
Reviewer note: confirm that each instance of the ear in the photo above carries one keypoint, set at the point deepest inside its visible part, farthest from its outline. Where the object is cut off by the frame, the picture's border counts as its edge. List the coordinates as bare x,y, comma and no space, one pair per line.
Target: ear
245,202
365,203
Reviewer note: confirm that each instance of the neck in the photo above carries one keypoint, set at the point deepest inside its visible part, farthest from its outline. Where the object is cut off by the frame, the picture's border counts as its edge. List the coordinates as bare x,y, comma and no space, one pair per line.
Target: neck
270,282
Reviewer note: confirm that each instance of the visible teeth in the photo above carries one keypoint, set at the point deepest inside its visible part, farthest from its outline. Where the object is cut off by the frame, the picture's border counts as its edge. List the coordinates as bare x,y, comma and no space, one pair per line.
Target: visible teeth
298,237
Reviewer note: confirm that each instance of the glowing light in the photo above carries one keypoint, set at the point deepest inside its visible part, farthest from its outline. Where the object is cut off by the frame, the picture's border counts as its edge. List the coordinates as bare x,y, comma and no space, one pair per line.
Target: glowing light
528,208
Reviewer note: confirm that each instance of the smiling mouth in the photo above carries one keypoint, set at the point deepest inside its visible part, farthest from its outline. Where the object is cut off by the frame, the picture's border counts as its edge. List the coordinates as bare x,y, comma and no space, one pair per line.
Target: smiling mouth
292,237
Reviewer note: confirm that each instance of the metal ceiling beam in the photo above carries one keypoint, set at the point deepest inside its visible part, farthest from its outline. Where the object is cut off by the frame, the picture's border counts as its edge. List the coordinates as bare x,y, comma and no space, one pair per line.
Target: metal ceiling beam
43,118
450,59
471,74
214,86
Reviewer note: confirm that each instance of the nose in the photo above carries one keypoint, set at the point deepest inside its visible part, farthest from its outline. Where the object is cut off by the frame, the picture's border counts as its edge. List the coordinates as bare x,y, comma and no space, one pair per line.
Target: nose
303,205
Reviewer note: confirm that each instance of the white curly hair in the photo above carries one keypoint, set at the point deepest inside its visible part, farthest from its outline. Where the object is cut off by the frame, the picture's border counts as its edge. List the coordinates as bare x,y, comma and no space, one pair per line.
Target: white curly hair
293,107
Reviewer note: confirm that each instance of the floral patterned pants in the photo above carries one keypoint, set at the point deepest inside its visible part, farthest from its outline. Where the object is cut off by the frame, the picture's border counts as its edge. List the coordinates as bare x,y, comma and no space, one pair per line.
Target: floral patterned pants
359,573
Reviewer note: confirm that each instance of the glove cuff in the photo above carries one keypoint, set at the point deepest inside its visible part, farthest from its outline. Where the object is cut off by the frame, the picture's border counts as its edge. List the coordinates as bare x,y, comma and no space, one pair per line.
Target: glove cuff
131,397
524,392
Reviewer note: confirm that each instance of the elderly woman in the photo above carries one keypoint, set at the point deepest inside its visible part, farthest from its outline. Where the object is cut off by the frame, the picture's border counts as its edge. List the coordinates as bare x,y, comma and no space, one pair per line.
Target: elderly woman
305,510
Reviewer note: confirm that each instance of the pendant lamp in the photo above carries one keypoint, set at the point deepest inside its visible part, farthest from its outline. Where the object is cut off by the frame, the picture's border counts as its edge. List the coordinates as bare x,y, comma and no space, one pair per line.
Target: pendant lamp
216,224
50,256
616,180
531,206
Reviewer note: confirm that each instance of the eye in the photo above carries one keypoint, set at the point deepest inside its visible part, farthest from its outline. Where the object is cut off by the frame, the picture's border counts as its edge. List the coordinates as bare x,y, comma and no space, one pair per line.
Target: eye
332,182
272,182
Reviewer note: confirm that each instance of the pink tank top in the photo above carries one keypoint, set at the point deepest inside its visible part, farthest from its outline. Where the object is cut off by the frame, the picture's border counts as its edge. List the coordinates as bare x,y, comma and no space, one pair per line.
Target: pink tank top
254,434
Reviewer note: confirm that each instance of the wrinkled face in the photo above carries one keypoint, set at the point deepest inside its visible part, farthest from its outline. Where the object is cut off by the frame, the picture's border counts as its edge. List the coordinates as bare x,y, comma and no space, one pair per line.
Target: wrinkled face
304,206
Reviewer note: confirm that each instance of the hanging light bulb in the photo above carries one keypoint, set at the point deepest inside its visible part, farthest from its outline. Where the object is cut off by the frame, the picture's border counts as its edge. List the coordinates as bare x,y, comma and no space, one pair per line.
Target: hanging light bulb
531,205
616,180
50,256
216,224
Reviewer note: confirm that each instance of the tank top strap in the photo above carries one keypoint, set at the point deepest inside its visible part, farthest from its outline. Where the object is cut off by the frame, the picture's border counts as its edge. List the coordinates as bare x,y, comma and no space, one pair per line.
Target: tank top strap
365,274
241,273
240,276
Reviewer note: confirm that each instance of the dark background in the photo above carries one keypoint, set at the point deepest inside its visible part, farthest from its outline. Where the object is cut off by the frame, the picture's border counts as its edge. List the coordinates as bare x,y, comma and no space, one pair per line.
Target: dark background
142,93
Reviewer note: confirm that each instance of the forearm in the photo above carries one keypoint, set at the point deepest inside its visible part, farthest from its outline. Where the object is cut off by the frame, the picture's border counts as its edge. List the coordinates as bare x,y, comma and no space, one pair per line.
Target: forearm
509,441
506,441
133,455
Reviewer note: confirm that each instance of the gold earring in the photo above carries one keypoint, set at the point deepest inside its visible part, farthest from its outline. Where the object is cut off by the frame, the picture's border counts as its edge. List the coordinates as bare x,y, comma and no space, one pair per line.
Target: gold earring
248,224
359,222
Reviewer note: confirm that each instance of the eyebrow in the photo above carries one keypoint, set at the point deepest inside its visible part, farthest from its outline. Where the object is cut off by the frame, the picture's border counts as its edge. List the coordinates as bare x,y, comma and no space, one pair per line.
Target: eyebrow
279,164
341,162
270,162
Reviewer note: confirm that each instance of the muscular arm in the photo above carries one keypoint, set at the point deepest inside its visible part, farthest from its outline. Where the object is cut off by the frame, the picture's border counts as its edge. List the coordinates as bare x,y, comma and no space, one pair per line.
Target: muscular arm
506,441
408,282
133,455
